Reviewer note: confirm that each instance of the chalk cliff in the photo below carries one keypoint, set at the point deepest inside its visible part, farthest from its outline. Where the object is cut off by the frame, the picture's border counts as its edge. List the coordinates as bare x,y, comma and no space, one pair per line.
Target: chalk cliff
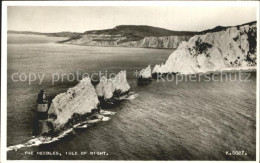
145,73
170,42
132,36
230,48
77,101
110,90
140,36
82,102
144,76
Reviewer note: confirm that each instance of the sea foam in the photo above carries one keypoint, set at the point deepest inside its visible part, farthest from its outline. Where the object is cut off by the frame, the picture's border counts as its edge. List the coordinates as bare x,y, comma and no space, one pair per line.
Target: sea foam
36,141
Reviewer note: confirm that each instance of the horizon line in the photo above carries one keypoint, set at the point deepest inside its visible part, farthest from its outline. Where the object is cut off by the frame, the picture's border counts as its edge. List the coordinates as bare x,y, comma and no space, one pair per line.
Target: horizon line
132,25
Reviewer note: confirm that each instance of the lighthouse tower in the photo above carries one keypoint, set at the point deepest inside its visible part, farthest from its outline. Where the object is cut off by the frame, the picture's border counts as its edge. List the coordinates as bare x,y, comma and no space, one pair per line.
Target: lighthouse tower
42,102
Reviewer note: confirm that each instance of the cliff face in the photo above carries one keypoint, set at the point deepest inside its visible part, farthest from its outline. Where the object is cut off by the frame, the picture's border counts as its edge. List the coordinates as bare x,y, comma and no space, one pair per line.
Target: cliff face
144,76
140,36
98,40
145,73
109,90
170,42
133,36
231,48
80,100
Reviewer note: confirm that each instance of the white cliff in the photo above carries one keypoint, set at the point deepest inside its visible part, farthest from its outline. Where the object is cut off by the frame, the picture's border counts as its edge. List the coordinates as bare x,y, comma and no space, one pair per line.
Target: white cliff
167,42
232,48
171,42
82,102
80,99
109,88
145,73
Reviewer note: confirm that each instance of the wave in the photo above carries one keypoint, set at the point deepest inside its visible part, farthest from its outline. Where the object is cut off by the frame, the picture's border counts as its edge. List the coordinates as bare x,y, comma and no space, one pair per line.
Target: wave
36,141
39,140
130,96
104,112
83,126
105,118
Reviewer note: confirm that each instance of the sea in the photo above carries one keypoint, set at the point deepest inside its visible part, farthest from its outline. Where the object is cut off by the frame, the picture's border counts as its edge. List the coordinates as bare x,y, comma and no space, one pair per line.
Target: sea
163,120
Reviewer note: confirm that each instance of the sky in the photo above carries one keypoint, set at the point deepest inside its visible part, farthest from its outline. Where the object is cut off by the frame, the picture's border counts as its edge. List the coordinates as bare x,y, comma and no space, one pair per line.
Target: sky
84,18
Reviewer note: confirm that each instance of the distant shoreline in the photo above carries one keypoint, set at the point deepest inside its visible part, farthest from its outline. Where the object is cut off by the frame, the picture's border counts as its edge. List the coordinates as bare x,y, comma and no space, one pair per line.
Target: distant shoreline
60,42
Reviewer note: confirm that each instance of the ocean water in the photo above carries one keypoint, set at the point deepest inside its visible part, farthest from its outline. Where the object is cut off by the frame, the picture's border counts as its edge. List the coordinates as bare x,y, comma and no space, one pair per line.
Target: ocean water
160,121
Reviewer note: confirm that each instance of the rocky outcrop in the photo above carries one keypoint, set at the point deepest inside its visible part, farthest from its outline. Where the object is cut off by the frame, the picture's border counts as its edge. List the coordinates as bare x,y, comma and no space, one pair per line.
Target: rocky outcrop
110,90
81,103
69,107
231,48
145,73
144,76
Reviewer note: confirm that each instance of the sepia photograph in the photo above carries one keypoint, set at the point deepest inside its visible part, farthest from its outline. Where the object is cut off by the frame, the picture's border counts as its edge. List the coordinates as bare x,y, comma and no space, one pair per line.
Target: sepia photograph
172,81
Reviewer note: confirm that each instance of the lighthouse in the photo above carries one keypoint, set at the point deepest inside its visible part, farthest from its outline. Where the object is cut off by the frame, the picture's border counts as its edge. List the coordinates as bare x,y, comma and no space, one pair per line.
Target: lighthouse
42,104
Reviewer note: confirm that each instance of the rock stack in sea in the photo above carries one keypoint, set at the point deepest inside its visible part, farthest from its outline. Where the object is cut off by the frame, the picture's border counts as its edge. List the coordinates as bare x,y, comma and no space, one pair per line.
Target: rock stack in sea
160,71
111,90
71,106
81,103
144,76
229,49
